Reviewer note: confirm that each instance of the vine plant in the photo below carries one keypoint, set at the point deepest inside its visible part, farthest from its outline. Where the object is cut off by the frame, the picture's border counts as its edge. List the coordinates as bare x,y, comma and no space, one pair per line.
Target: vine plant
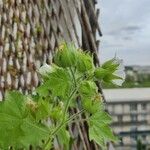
40,118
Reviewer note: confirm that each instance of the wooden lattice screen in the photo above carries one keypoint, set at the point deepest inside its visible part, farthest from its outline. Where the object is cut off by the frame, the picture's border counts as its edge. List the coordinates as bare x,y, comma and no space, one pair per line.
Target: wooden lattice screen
30,30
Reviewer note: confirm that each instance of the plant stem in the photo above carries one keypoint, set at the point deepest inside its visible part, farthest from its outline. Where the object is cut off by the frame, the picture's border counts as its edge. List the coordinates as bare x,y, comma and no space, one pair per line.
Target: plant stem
80,121
75,115
74,79
63,122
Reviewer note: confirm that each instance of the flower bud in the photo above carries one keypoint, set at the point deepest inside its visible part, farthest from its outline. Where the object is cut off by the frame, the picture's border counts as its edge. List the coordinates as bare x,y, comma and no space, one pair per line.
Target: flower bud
31,105
100,73
45,69
111,71
88,89
61,104
65,55
120,72
85,62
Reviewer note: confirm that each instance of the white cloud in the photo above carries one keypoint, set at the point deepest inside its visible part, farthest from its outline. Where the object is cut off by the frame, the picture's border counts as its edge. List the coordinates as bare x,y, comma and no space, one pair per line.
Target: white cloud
126,30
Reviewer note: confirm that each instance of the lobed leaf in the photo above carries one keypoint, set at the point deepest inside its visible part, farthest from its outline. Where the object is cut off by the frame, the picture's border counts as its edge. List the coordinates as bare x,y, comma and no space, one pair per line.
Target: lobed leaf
64,138
17,125
85,62
99,129
88,89
60,82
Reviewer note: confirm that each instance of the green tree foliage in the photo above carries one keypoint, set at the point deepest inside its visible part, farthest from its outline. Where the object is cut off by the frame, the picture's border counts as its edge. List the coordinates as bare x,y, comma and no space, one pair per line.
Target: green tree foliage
41,118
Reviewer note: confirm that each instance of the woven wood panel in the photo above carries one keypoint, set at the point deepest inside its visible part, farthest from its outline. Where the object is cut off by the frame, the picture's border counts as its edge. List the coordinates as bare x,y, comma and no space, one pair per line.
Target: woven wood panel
30,30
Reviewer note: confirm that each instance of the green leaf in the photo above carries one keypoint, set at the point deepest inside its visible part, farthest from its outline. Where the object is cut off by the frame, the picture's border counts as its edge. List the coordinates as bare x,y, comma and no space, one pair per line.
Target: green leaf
39,133
66,55
44,110
57,113
99,129
100,73
85,62
105,75
105,72
108,78
110,65
91,106
64,138
18,124
43,89
95,135
88,89
60,82
102,116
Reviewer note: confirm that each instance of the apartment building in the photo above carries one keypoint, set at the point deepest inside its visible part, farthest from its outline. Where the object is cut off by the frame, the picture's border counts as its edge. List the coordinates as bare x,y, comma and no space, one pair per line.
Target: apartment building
130,109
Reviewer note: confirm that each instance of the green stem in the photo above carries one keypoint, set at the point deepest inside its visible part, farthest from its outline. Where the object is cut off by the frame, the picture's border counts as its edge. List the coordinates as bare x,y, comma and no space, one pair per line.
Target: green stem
63,122
67,121
75,115
80,121
68,102
74,79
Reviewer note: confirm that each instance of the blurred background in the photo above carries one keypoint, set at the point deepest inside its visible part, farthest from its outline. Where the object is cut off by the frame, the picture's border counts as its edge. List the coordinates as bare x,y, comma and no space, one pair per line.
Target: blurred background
126,33
31,30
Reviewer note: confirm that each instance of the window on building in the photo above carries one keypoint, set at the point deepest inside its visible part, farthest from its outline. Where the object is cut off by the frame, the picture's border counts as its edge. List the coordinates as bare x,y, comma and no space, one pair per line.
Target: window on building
110,109
143,137
119,118
133,107
143,106
133,133
118,109
143,117
134,117
121,140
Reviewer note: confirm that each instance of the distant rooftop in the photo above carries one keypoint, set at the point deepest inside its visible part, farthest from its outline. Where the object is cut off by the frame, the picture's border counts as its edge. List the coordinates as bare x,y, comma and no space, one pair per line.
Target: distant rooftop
139,69
127,94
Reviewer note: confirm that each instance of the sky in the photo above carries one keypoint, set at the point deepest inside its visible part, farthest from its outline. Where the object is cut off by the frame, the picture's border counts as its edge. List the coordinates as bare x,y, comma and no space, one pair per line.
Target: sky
125,25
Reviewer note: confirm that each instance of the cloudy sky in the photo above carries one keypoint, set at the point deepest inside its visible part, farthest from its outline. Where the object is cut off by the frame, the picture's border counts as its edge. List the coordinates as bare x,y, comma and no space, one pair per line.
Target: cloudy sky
125,25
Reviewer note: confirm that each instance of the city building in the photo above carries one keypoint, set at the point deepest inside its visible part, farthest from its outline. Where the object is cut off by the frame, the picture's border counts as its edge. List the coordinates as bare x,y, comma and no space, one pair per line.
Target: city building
130,110
137,73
